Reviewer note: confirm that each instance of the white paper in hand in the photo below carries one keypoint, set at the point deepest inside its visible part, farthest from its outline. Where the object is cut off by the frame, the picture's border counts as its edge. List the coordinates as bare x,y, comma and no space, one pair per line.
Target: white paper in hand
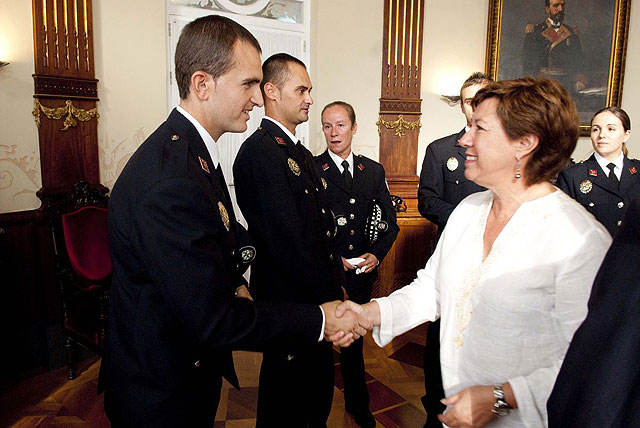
356,261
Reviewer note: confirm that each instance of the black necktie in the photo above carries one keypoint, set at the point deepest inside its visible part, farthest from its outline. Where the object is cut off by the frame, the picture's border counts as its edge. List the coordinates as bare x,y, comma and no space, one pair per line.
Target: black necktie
612,176
348,179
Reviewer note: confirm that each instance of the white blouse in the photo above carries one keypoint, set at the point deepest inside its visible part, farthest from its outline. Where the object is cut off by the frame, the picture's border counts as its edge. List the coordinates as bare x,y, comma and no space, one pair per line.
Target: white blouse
510,317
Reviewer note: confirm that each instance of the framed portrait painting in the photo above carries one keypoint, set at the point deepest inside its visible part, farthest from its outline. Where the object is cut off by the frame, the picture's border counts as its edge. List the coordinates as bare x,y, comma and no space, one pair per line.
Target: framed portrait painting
581,43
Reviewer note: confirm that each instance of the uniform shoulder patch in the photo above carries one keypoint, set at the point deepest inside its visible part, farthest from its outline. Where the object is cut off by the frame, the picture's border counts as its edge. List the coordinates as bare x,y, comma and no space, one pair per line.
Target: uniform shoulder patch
529,28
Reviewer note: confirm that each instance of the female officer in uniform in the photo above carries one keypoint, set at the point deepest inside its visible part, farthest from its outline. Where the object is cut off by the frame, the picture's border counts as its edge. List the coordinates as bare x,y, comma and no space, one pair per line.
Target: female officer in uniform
605,183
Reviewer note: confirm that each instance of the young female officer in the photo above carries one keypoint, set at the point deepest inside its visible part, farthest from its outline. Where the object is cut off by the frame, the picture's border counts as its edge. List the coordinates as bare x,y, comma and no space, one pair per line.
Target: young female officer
605,183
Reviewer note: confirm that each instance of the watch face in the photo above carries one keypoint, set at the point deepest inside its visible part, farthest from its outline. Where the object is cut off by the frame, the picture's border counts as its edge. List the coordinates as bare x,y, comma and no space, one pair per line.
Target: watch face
499,411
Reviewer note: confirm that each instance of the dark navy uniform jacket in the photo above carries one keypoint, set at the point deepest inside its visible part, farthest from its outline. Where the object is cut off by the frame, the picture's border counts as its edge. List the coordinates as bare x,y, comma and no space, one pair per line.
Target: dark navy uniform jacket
442,181
598,385
173,317
281,195
353,207
555,54
587,183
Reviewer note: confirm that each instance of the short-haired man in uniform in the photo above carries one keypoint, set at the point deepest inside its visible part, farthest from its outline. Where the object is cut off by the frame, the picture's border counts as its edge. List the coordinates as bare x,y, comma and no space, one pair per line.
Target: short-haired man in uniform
442,186
552,49
178,301
354,184
284,201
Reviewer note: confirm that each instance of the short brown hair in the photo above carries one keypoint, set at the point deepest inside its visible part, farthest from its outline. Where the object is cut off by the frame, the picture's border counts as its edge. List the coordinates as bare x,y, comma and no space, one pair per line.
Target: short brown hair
477,78
350,112
540,107
276,69
207,44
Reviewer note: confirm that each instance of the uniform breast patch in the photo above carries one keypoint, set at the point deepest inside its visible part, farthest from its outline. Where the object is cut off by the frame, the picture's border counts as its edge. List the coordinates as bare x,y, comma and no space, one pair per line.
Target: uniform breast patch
452,164
224,215
294,167
586,186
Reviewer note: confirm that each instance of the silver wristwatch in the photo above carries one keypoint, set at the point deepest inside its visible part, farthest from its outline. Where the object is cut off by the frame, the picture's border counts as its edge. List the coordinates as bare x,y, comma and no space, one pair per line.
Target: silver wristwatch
500,407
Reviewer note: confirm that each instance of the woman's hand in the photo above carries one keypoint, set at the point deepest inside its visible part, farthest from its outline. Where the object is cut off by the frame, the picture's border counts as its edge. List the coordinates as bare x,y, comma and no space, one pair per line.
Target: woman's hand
469,408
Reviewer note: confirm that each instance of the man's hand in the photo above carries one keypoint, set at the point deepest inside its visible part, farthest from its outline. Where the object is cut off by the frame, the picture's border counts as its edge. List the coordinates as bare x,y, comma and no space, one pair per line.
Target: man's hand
344,328
470,407
243,292
370,262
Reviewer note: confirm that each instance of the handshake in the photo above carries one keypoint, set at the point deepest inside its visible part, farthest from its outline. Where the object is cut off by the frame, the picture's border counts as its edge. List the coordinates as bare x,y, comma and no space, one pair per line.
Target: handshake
347,321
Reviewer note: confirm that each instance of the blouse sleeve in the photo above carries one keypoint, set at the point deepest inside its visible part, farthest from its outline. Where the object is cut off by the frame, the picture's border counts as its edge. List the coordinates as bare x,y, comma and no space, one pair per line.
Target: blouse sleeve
410,305
572,289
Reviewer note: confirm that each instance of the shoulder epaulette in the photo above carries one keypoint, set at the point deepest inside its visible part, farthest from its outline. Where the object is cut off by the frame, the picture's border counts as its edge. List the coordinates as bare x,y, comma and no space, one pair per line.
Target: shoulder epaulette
529,28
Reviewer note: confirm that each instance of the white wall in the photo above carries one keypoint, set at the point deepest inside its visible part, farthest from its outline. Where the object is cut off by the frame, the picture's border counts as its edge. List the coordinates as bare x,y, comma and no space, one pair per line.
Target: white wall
455,34
130,46
19,151
346,56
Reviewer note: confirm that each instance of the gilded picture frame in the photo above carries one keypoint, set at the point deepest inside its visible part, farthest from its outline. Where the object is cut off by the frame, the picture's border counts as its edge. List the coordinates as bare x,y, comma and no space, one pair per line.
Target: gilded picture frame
518,30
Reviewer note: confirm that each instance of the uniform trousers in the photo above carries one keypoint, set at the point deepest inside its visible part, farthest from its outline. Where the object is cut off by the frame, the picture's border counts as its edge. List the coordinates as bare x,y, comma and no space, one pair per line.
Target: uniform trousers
296,387
433,377
356,395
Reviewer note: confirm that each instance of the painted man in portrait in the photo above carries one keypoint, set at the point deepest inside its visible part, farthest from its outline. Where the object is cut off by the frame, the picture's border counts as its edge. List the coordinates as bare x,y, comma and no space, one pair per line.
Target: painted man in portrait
552,49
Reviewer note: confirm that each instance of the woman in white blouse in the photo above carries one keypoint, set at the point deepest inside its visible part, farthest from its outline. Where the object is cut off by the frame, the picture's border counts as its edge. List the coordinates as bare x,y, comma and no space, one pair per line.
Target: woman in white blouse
511,274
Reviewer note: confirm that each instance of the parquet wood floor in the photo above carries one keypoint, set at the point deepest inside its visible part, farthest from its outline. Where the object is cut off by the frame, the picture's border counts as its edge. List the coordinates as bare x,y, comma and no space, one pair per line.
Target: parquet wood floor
49,400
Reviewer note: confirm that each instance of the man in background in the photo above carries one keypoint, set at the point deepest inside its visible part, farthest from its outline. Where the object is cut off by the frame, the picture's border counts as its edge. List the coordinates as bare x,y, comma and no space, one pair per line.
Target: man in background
598,385
552,49
442,186
284,201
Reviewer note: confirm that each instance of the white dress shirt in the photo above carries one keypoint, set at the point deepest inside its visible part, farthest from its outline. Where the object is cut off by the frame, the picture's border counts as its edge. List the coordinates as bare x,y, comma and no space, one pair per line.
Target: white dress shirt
619,162
338,161
284,129
510,317
212,146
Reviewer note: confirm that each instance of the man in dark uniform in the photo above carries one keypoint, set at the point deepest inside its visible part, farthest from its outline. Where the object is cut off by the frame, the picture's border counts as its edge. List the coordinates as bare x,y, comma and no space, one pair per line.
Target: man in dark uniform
283,199
442,186
552,49
598,385
587,183
354,183
178,301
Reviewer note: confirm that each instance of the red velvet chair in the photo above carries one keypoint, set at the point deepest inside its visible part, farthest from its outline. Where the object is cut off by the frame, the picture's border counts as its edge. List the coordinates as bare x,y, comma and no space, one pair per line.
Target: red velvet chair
83,265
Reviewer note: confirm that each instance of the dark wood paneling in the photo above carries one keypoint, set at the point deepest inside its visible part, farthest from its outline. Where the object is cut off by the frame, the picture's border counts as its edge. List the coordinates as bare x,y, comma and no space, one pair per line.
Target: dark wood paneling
29,303
399,129
68,156
65,91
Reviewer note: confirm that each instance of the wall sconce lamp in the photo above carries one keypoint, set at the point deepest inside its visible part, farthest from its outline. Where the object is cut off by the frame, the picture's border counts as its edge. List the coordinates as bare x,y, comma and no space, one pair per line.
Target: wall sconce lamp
451,100
2,63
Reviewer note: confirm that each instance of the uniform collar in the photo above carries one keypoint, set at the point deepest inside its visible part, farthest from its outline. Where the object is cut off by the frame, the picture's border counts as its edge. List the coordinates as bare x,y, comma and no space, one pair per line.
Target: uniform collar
555,25
292,137
338,161
209,142
619,162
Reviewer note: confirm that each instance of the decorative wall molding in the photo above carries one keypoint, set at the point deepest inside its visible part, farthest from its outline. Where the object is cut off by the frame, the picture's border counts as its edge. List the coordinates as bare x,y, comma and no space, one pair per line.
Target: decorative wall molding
400,126
56,113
